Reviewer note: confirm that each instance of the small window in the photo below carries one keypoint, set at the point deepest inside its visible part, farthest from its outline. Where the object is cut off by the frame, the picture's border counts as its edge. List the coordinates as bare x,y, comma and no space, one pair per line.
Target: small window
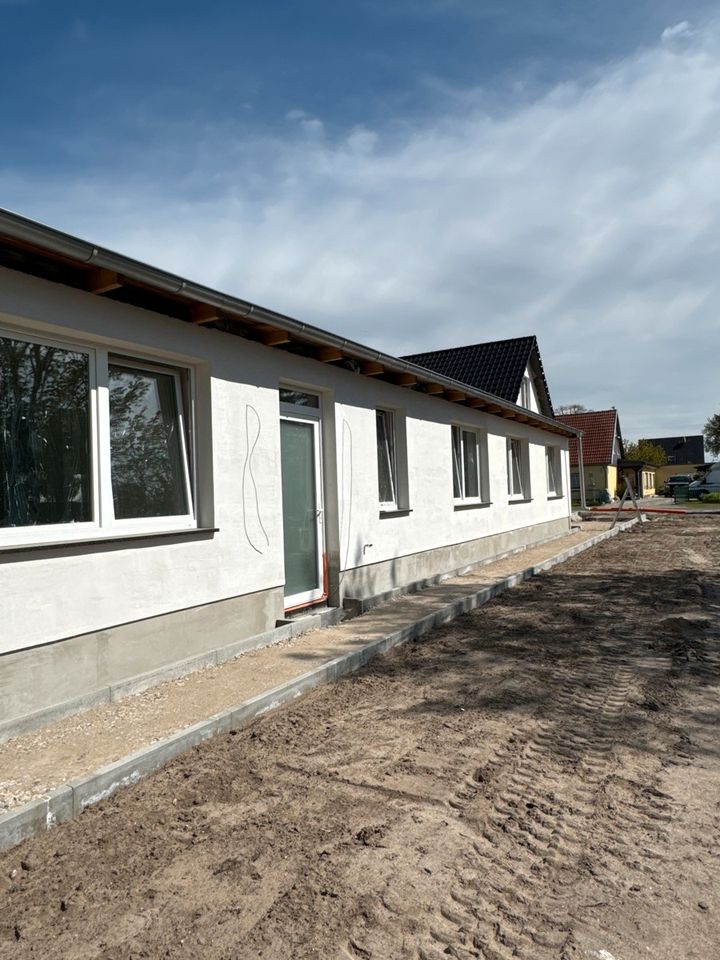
387,460
299,398
526,393
517,468
470,474
553,471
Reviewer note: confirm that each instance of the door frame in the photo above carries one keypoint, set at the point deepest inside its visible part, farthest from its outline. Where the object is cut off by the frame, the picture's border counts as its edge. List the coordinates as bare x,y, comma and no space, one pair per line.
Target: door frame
311,416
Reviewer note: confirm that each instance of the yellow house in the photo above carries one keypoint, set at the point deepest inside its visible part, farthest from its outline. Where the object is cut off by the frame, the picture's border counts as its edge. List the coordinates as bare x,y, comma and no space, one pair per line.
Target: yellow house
641,474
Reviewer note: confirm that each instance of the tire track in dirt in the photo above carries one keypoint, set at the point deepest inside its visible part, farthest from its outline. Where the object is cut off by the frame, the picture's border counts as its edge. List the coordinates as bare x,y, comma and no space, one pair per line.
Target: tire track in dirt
509,899
538,779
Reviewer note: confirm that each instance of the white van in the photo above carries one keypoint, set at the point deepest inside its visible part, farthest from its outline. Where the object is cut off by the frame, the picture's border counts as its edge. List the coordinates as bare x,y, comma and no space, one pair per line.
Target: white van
710,483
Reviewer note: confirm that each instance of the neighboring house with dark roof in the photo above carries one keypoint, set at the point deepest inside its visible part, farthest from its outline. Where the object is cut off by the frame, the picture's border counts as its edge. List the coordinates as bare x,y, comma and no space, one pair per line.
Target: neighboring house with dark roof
685,455
511,369
602,448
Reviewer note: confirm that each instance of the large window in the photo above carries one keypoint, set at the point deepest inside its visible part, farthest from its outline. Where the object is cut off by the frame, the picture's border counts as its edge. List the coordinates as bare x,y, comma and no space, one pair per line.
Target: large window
518,469
469,458
553,471
45,448
89,443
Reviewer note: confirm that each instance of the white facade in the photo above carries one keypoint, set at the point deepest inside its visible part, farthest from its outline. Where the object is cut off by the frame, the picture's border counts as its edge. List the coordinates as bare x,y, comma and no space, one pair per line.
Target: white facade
92,580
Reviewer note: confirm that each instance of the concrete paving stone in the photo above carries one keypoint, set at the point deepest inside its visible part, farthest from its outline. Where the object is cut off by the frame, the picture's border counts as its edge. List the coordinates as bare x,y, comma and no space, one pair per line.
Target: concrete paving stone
26,821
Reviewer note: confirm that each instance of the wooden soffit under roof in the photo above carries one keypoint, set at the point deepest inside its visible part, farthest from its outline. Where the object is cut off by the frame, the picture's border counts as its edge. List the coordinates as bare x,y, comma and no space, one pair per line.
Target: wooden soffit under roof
37,250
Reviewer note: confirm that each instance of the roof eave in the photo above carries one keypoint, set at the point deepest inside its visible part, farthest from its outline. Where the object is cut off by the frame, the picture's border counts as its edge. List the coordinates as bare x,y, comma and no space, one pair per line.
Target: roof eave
46,239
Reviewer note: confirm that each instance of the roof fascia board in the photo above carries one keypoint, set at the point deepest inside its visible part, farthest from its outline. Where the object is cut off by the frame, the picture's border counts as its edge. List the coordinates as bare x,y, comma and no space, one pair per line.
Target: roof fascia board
48,239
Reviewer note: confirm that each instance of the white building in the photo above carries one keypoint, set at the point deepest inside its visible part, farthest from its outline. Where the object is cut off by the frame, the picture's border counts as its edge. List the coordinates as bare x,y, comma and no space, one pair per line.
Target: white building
179,469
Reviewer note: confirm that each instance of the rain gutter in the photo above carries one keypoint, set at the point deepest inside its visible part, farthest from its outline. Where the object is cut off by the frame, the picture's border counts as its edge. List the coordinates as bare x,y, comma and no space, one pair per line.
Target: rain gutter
48,239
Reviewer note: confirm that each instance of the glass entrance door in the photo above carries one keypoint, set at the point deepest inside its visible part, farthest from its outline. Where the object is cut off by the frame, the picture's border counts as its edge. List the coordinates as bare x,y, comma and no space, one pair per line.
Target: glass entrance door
302,510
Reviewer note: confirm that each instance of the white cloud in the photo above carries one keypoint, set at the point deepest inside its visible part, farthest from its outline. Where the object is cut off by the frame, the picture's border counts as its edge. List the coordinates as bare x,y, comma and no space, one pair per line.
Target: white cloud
312,126
681,29
590,217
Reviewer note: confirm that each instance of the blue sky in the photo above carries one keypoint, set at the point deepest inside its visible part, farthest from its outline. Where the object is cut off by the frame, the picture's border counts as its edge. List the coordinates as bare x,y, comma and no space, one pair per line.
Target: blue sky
413,174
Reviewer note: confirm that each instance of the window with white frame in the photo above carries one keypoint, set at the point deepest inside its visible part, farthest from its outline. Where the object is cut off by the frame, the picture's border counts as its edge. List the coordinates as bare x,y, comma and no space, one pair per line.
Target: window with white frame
469,459
387,459
526,392
148,449
518,472
89,443
553,471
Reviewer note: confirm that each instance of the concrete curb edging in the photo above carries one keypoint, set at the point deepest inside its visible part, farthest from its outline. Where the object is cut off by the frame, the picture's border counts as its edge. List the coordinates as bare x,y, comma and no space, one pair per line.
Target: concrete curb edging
356,606
69,800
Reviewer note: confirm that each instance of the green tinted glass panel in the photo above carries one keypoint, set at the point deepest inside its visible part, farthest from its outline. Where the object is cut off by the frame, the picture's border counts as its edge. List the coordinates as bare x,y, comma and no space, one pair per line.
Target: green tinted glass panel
299,507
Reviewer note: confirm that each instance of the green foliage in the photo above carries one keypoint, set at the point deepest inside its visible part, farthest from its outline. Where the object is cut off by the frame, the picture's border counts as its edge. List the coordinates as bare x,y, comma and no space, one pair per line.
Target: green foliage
711,498
711,432
644,450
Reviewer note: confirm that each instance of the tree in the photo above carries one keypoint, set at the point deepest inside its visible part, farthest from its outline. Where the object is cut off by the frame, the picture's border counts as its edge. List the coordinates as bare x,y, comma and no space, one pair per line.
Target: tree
571,408
646,451
711,432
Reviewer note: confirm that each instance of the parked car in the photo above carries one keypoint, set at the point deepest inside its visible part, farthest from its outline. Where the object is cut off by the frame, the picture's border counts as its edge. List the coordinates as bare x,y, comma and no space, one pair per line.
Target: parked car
675,481
710,483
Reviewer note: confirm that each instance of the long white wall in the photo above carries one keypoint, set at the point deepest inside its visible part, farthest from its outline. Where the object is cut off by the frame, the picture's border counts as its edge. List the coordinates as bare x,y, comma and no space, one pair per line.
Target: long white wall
433,519
52,594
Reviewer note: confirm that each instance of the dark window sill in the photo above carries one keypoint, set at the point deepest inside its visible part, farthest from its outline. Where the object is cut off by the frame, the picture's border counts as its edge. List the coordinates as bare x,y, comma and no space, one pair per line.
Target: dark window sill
520,500
556,496
395,513
123,538
473,506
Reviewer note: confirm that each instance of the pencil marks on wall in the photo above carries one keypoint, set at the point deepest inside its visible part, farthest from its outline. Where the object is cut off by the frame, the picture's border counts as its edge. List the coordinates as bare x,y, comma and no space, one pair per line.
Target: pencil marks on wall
255,531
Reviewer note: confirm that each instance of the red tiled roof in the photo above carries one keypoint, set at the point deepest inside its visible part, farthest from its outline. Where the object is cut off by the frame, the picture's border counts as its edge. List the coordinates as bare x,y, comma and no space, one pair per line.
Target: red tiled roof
599,429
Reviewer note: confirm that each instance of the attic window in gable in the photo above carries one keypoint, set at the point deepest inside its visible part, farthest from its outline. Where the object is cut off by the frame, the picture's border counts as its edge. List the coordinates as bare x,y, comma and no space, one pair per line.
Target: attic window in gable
526,392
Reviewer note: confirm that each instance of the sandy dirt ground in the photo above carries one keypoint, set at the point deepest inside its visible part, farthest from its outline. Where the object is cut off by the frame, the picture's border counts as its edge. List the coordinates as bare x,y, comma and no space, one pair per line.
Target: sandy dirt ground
36,762
539,779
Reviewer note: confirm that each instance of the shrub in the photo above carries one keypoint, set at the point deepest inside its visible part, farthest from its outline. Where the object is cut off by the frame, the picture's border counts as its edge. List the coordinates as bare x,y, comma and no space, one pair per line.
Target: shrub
711,498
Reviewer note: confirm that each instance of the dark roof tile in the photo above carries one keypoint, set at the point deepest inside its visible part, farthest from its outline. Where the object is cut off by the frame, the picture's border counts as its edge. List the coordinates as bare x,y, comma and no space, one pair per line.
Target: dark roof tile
682,449
496,367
